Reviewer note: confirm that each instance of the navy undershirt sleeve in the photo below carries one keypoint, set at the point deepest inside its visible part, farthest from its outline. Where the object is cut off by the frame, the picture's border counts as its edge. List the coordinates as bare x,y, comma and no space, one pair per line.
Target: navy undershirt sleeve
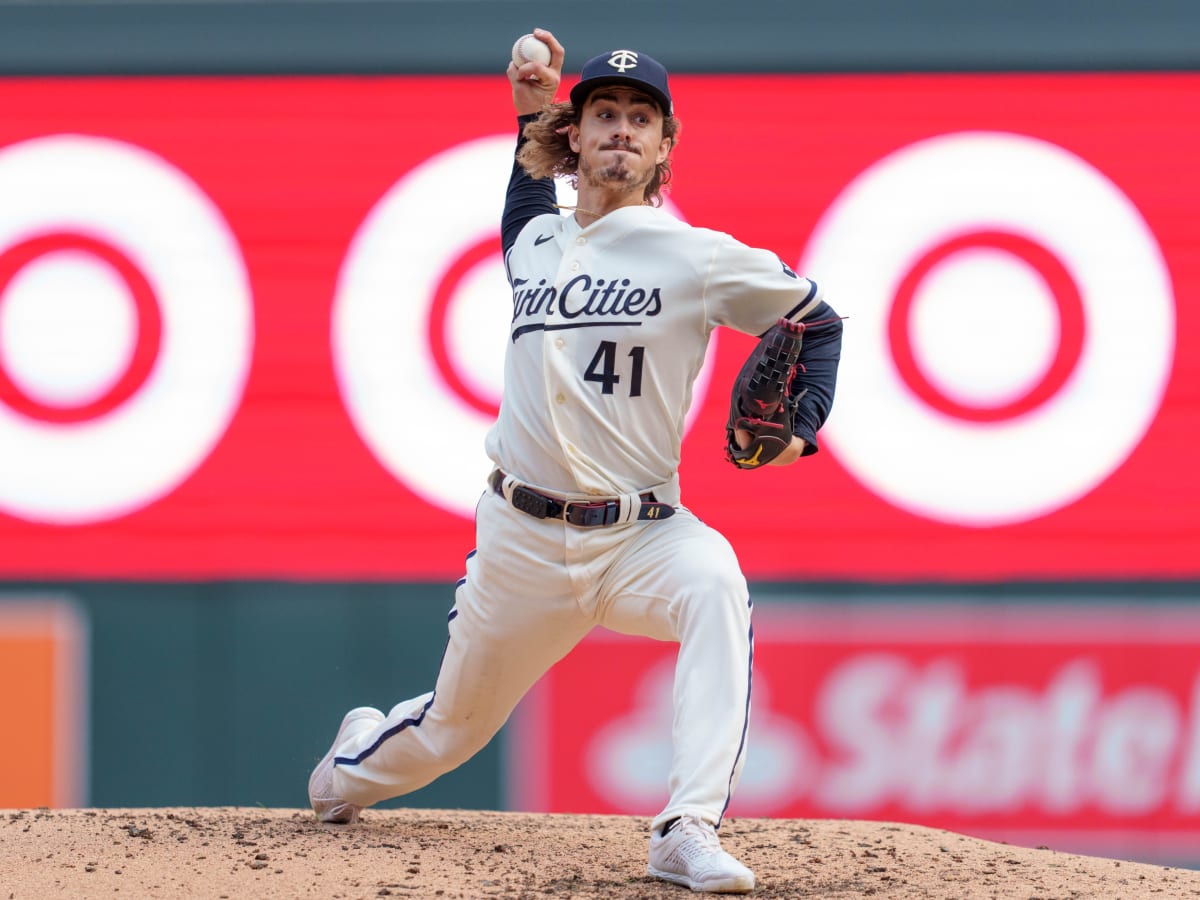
526,197
819,355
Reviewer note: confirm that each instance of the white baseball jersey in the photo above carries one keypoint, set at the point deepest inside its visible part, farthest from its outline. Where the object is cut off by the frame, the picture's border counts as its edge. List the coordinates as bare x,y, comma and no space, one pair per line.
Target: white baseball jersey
610,327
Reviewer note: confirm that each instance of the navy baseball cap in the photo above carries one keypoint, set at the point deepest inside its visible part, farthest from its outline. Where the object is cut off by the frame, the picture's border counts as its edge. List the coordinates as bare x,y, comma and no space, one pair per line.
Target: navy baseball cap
625,67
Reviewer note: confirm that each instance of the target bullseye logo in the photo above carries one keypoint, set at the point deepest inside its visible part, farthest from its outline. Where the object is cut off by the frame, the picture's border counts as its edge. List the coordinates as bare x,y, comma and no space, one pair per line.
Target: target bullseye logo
126,328
997,288
421,322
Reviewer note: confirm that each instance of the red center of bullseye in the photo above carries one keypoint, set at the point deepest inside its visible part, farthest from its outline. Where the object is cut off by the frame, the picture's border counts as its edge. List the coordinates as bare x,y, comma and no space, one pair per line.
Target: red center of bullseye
149,326
1070,315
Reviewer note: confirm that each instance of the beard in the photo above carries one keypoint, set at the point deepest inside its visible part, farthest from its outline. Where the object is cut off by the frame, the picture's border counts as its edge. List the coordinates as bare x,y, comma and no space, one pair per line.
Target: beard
616,174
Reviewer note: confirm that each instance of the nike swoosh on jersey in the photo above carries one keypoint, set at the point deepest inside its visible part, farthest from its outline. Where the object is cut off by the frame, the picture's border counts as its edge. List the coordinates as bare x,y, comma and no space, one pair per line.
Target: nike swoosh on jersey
541,239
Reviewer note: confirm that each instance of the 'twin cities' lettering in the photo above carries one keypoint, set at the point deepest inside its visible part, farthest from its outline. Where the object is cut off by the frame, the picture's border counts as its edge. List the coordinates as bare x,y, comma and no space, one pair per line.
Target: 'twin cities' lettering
581,297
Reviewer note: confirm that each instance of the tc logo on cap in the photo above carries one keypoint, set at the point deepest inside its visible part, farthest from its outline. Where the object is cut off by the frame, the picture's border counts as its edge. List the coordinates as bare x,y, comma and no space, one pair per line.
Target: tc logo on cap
622,60
624,67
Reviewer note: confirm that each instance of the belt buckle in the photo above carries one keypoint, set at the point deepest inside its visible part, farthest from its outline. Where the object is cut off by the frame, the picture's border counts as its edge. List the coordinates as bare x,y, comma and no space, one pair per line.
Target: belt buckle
595,514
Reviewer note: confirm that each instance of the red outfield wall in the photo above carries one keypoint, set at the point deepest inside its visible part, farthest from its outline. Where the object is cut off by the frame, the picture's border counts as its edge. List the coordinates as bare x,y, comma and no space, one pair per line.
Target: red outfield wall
253,327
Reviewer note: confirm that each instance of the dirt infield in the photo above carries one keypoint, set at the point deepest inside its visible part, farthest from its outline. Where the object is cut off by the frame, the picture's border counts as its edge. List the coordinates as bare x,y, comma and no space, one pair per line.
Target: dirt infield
265,853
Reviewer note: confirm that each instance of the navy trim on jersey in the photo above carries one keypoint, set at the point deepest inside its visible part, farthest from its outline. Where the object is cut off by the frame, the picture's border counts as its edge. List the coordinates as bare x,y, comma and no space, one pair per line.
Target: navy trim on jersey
745,720
508,265
562,326
811,293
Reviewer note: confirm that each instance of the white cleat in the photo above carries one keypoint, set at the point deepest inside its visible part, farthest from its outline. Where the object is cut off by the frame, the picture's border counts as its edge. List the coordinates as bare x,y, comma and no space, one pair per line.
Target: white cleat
320,784
690,854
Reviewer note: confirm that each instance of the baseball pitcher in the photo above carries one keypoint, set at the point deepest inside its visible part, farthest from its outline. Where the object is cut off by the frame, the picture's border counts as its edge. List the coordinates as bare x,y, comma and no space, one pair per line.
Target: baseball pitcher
581,523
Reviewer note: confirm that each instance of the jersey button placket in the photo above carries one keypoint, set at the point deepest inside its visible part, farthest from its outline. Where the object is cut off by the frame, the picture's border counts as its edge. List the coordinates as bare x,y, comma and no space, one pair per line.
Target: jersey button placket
560,365
560,344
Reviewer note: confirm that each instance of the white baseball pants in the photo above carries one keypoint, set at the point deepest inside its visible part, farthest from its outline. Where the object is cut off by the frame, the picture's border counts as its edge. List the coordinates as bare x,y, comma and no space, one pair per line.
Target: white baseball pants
533,589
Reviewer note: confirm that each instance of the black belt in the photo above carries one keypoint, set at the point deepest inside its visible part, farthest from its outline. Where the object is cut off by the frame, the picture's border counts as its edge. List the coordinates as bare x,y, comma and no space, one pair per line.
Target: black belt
584,514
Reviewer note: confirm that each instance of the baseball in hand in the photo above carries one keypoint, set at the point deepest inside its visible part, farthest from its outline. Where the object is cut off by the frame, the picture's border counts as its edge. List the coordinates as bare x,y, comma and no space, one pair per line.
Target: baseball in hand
530,49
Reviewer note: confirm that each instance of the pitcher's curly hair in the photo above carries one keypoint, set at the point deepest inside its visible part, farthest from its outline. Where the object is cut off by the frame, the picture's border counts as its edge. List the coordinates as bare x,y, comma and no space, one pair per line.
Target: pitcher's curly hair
547,151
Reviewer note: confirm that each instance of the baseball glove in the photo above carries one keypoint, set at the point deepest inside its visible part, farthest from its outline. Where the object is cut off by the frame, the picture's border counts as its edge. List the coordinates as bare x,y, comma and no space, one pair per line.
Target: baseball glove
761,401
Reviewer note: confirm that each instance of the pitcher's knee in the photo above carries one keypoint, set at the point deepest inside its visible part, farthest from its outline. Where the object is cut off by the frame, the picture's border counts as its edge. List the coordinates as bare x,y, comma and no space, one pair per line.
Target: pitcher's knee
721,596
725,579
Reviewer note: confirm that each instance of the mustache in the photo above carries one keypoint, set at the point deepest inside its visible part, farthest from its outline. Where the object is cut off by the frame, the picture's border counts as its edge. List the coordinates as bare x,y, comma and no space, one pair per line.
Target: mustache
621,145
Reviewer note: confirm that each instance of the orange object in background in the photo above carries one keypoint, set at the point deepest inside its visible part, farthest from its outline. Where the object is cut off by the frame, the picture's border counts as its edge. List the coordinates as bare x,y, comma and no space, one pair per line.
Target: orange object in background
42,704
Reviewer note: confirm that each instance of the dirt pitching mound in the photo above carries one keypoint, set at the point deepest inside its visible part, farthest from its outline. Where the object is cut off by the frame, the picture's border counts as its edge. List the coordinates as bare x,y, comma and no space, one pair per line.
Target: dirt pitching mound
243,852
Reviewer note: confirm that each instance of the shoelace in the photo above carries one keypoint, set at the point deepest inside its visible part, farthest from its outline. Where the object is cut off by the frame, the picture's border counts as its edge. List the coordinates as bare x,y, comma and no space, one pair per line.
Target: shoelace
706,836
